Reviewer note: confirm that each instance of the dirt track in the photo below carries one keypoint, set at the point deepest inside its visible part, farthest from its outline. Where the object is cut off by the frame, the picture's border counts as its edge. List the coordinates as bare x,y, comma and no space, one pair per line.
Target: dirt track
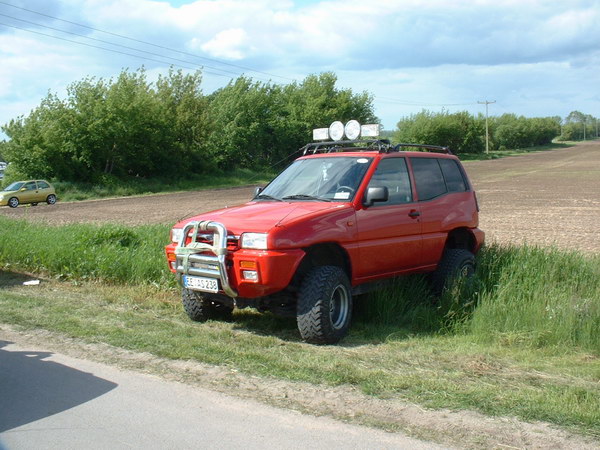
545,198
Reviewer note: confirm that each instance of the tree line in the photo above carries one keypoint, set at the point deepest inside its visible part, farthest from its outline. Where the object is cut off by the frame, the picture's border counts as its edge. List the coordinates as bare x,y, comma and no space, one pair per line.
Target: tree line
129,126
465,133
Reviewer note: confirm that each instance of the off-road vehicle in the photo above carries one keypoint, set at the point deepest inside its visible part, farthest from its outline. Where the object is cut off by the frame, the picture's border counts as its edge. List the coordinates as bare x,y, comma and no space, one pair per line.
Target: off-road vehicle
341,218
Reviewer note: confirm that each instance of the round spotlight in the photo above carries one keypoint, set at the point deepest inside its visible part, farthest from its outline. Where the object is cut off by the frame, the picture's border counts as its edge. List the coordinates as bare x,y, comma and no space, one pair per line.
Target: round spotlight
352,129
336,130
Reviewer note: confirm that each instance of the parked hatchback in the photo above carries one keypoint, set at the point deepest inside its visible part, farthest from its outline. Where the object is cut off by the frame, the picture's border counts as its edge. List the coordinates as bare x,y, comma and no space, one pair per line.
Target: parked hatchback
31,191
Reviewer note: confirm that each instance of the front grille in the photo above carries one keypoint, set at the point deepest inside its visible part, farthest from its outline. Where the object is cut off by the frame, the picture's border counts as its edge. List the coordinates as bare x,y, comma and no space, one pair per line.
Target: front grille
232,241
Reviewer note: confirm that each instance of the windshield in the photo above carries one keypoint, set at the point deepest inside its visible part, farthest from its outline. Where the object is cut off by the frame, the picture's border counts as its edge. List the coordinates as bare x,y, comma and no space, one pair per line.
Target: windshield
14,186
324,179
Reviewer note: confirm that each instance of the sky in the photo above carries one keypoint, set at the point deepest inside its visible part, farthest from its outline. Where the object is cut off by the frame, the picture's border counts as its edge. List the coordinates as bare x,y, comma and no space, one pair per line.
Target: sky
534,58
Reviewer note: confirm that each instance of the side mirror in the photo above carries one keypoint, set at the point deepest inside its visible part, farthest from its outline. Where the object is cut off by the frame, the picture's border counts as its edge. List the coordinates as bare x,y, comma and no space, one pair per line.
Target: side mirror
376,194
257,191
22,189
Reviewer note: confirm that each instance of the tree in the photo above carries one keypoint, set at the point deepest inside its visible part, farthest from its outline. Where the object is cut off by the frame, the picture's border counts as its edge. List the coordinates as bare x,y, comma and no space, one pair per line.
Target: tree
461,132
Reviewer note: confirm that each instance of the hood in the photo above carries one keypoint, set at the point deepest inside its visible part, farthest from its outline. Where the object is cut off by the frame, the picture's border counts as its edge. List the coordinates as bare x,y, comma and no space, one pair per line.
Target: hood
262,216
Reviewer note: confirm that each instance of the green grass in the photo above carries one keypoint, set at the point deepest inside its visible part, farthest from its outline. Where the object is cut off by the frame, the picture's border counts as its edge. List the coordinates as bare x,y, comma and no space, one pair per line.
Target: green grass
522,338
541,297
110,253
431,368
497,154
114,187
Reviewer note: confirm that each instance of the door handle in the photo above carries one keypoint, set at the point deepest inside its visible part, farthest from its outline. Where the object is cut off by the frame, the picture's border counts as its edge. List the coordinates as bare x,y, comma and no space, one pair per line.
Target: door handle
414,214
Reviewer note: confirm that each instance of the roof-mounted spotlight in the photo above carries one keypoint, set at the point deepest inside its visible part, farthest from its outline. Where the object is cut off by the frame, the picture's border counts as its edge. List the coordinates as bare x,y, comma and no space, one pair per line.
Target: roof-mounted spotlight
371,130
336,130
321,134
352,130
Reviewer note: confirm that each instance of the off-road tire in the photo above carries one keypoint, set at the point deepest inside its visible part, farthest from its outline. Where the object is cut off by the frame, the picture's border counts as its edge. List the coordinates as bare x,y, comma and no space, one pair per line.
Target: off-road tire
324,307
200,307
455,263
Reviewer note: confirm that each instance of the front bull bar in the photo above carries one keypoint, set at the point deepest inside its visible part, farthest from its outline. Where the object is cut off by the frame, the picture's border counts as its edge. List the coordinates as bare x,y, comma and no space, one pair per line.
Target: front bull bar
191,253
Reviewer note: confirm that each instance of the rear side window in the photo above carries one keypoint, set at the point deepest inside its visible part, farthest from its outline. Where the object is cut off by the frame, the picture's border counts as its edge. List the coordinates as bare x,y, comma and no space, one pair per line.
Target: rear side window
428,178
393,174
43,185
455,181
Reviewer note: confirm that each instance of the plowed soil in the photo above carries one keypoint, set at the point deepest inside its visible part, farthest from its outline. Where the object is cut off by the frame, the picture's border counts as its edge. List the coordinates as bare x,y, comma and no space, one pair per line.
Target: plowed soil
545,198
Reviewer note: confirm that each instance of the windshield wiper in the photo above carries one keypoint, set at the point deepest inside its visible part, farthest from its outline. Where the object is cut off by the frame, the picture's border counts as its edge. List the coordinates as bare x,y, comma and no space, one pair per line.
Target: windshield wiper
305,197
267,197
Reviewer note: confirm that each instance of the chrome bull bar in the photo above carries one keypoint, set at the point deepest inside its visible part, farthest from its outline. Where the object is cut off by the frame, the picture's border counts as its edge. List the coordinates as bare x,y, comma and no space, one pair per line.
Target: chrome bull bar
188,254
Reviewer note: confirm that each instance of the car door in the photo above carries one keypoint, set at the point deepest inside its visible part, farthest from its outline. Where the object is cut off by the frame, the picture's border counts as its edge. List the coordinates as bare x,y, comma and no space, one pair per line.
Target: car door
28,194
389,232
43,191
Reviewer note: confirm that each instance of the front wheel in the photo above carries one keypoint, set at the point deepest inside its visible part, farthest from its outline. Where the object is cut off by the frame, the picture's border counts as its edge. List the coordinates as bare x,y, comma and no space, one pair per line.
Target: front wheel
324,306
201,307
456,263
51,200
13,202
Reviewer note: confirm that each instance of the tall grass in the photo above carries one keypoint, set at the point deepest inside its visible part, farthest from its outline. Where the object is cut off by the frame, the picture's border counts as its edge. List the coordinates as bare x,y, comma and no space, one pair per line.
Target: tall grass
538,297
110,253
525,296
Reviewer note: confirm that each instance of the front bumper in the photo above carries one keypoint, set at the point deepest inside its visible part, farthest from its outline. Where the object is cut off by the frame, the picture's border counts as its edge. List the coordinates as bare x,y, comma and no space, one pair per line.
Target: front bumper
274,268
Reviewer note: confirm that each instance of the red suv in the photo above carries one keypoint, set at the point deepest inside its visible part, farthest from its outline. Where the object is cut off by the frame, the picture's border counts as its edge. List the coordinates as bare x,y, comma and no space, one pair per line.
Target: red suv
342,217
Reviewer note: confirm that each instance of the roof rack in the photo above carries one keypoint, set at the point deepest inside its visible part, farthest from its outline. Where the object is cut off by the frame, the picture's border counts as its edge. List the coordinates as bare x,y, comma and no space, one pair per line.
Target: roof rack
434,148
377,145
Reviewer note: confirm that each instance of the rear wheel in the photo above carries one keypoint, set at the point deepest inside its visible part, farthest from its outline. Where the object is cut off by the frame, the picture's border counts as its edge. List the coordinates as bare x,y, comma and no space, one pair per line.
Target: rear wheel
201,307
324,305
13,202
51,200
455,264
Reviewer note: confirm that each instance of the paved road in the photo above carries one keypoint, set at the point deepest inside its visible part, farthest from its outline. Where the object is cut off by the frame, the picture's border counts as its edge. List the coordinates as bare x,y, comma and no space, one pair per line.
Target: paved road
51,401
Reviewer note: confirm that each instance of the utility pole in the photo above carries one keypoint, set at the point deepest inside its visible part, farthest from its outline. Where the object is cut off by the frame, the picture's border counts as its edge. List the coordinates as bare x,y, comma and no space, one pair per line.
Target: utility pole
487,133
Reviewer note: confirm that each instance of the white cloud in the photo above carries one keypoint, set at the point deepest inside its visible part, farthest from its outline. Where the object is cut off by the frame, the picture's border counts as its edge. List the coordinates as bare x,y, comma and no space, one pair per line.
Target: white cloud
534,57
232,43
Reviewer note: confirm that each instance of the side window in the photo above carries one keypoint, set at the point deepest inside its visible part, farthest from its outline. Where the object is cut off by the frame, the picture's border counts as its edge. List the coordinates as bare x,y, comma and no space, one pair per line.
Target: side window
30,186
43,185
453,175
428,178
393,174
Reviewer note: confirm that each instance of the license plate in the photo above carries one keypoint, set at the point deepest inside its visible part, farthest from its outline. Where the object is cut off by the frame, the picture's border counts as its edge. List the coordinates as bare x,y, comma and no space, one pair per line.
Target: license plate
201,284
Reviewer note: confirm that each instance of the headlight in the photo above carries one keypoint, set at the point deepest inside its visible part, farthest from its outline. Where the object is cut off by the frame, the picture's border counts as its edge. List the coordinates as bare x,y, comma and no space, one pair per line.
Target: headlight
256,241
176,234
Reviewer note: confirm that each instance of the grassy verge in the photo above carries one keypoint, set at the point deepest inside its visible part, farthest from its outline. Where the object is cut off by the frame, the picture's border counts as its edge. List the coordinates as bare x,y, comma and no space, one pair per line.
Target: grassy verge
521,339
438,370
497,154
113,187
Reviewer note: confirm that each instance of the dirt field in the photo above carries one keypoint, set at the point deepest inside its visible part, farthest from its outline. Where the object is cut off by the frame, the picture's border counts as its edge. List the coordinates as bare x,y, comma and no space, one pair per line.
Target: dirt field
544,198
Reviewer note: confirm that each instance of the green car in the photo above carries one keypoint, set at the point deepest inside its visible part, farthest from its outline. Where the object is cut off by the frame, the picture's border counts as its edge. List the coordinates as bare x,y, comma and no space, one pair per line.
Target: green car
31,191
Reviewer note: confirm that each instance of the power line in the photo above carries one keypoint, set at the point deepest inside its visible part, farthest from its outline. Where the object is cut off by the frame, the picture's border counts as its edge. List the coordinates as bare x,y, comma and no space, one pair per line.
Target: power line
109,49
115,44
147,43
402,102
